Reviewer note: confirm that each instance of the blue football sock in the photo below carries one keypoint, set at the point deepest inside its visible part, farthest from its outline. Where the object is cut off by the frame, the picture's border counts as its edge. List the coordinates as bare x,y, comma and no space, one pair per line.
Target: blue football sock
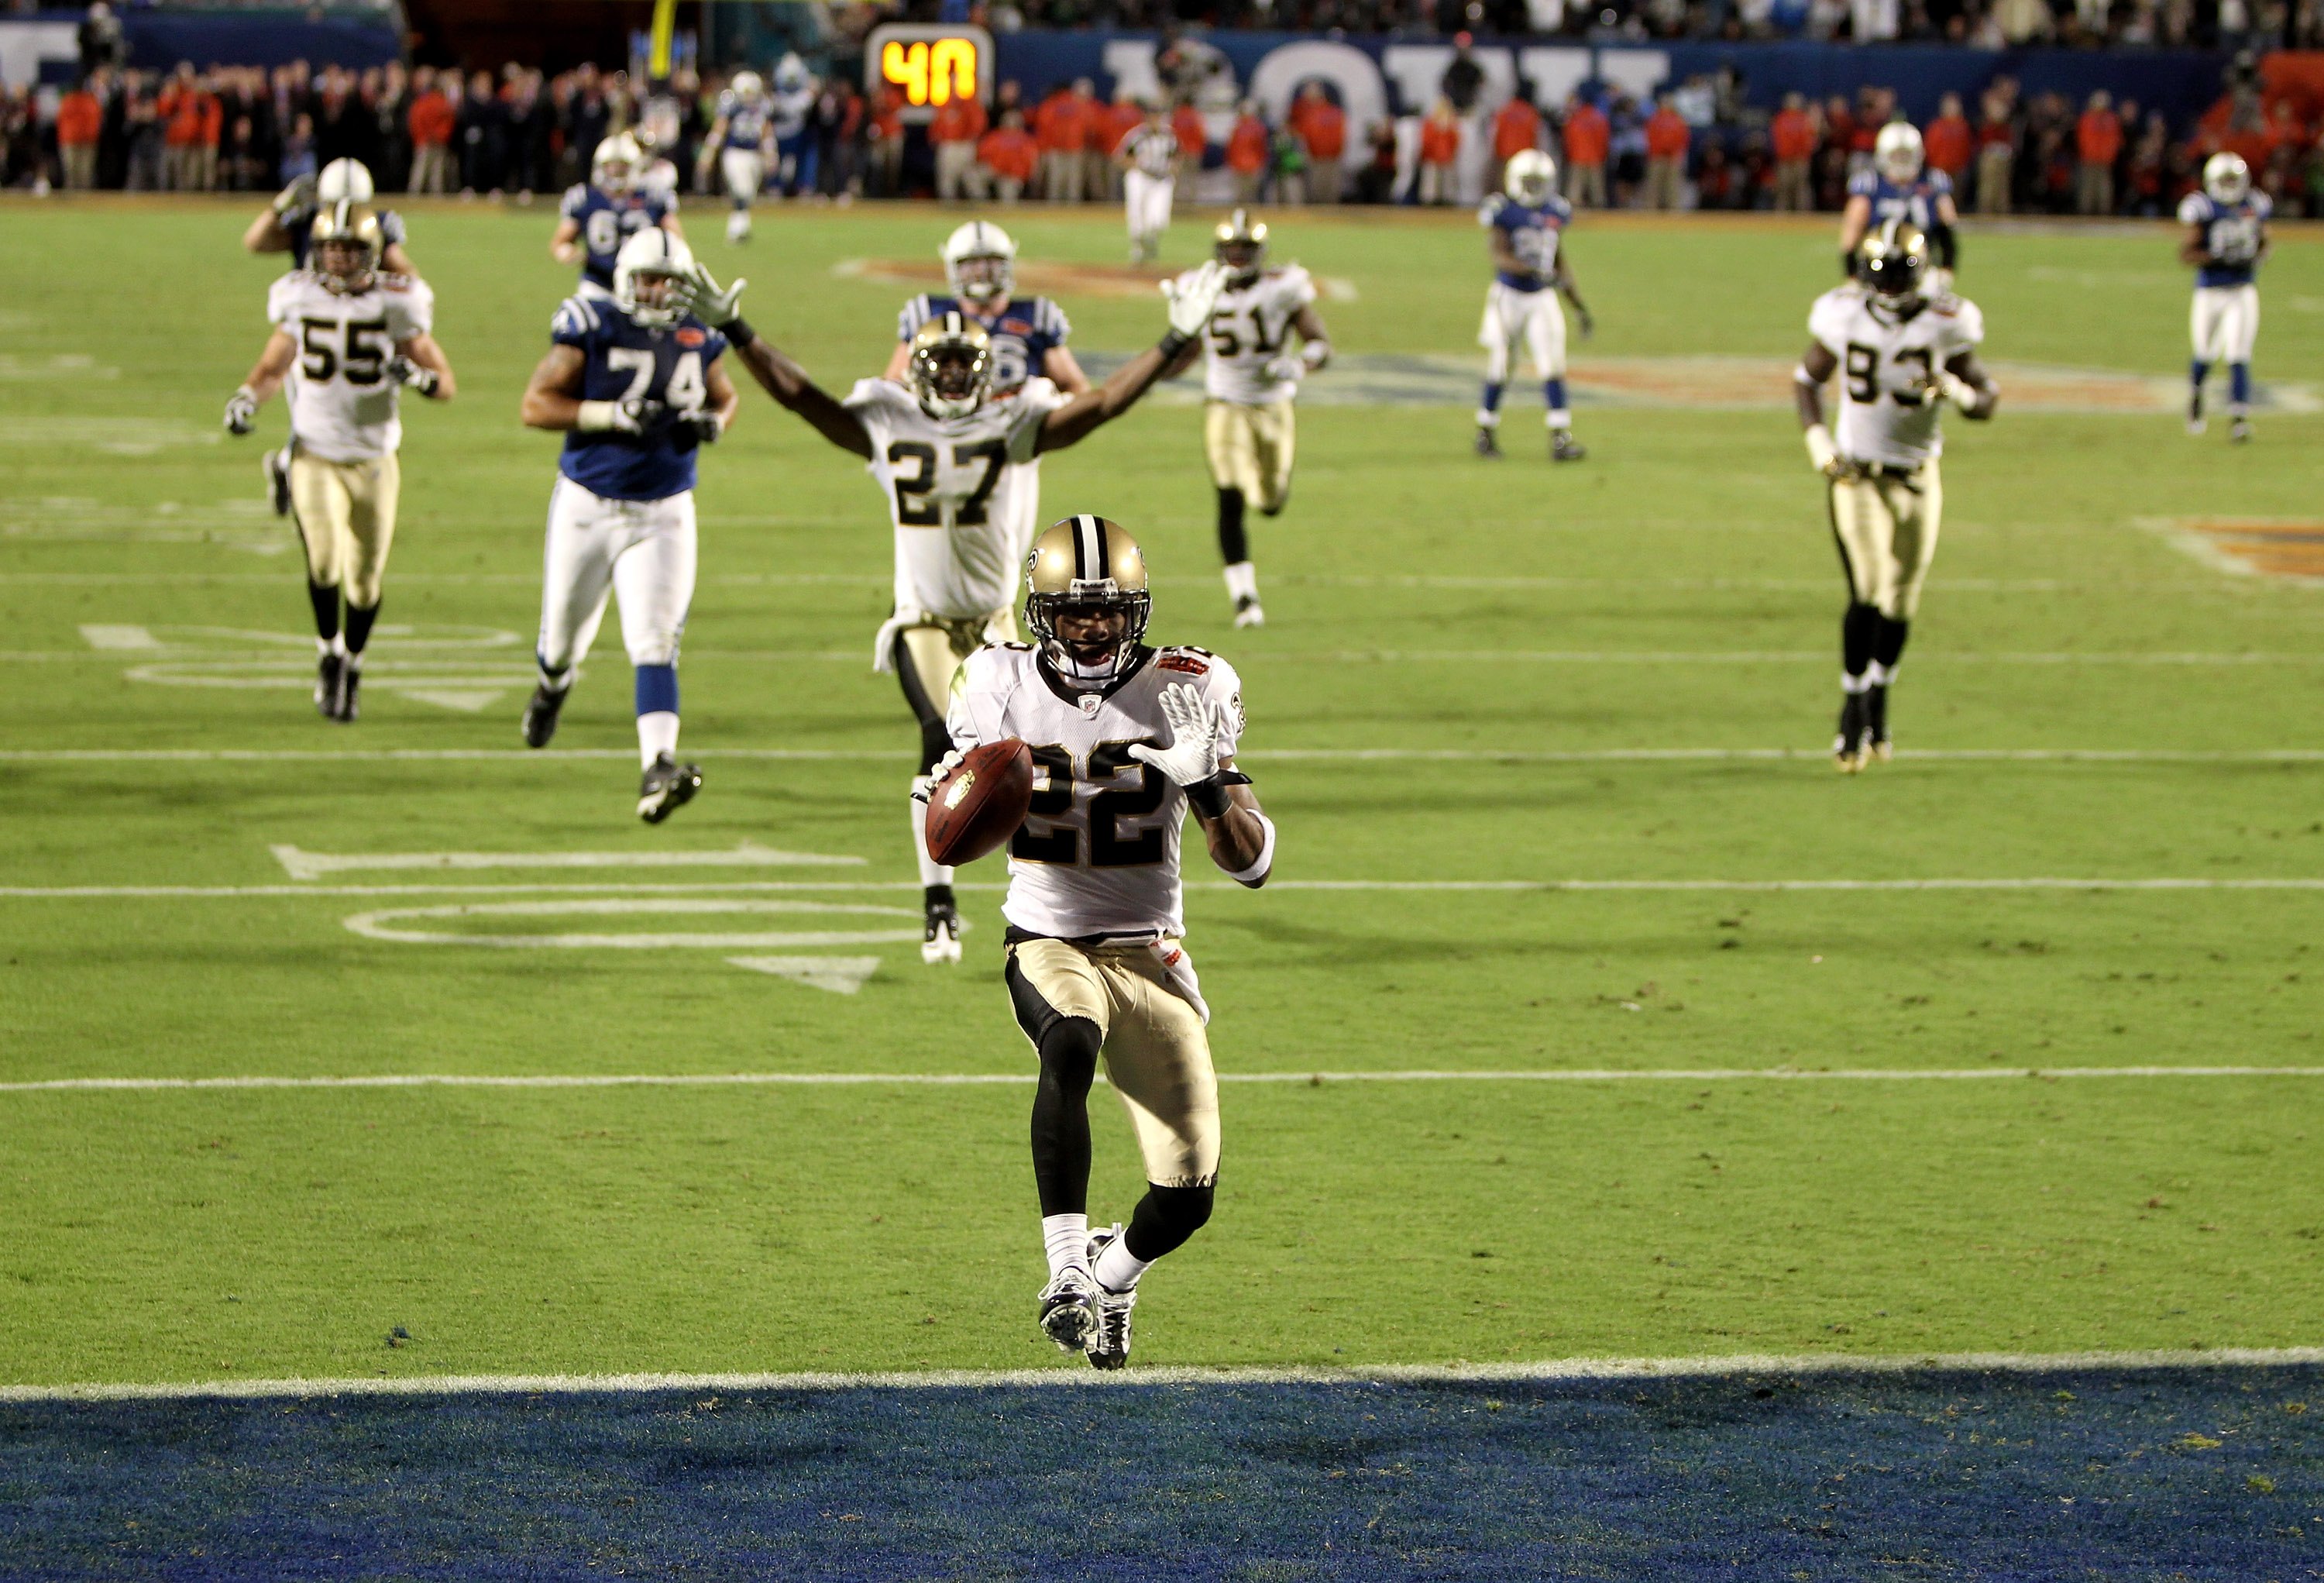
1490,401
2196,370
1553,391
656,689
2239,383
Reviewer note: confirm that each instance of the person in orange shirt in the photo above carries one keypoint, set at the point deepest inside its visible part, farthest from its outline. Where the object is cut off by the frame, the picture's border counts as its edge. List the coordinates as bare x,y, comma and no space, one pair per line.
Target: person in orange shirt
1009,157
1247,149
180,110
1517,127
954,133
1108,127
1193,137
2098,141
80,120
1440,151
1792,137
1322,127
887,129
1587,138
1058,127
1947,142
431,119
1097,153
1667,136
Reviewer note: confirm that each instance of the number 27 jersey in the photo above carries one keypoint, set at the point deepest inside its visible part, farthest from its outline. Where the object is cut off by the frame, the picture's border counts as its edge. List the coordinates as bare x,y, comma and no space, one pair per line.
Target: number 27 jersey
1886,359
954,488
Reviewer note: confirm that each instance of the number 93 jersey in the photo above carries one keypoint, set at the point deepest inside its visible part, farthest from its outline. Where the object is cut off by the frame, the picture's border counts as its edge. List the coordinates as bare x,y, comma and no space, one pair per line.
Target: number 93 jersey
343,405
623,360
1249,329
1888,360
1098,853
954,488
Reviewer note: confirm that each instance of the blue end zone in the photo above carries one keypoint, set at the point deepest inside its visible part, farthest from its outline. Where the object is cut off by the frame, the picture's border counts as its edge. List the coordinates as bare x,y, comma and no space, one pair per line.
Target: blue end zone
2204,1473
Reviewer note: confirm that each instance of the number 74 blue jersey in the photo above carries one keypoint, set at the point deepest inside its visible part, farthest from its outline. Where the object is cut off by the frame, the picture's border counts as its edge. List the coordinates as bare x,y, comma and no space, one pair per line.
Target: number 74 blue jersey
623,360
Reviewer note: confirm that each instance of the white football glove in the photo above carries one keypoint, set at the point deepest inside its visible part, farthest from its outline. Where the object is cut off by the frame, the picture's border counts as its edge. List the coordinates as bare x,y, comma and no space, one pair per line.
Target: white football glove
1823,455
1285,367
402,370
241,411
934,777
1192,298
1196,728
700,294
297,196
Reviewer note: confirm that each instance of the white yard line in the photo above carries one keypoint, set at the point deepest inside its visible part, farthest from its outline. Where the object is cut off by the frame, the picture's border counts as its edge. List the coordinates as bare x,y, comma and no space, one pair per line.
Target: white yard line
187,657
1067,1376
303,865
1579,756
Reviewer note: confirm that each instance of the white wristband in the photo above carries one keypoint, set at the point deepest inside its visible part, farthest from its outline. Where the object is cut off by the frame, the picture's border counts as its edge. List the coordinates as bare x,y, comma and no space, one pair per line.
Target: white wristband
598,415
1257,871
1821,451
1316,354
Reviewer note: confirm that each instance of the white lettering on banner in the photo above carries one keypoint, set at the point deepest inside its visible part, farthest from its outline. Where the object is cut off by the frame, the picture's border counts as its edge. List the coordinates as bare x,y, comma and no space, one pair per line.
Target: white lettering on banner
23,45
1364,98
1636,72
1130,63
1554,71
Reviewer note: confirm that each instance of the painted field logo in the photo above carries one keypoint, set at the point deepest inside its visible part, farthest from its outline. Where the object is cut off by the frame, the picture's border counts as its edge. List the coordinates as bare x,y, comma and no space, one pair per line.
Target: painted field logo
2291,548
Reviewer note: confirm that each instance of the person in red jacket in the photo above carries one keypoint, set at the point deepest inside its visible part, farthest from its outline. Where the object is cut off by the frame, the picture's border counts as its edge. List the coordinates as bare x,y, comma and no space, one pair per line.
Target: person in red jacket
1588,136
1111,124
1322,127
1667,136
952,133
1058,127
1440,154
1246,148
1009,157
1517,127
1791,137
80,119
1948,143
2098,142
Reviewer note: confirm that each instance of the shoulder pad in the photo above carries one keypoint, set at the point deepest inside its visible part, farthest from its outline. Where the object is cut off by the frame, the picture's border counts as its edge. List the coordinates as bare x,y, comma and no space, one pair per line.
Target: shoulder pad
1020,648
395,282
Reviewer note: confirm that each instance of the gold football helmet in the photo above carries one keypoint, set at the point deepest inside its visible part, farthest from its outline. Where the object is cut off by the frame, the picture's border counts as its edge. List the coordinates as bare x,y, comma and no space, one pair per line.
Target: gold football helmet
951,365
1240,241
1081,565
1894,260
345,245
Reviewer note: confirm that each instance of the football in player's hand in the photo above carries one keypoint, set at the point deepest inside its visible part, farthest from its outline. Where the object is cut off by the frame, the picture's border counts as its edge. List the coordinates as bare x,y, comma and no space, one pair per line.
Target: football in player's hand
980,804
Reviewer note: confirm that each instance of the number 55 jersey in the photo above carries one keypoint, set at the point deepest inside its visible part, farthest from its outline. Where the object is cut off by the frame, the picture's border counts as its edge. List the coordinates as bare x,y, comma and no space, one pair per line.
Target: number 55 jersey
954,488
1098,854
342,404
1889,355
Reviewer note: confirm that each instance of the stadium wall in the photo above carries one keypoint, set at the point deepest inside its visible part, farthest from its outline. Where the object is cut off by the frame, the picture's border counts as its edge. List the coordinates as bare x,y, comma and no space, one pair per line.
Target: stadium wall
41,47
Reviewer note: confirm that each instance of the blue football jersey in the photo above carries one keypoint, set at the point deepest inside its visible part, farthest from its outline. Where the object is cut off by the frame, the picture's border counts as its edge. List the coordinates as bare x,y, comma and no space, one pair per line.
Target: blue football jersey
1022,333
608,221
1914,200
298,225
1533,233
2231,235
625,360
746,121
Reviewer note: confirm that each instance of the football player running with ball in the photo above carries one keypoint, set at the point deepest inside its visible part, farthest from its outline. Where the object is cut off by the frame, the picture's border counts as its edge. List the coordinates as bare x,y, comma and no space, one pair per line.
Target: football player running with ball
1902,350
1525,226
1250,379
2226,237
1128,737
635,386
348,338
951,456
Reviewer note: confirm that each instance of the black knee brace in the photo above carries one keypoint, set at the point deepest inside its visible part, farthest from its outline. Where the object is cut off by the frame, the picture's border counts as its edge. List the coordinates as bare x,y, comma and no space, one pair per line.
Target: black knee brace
1166,1217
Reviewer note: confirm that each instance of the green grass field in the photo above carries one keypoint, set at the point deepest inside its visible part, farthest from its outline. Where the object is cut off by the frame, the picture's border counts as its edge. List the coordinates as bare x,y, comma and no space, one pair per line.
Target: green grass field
1474,678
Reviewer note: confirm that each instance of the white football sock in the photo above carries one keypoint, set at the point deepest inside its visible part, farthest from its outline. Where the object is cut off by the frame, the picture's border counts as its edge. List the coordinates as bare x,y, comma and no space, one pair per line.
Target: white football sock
932,873
336,643
1065,1239
656,735
1243,580
1118,1269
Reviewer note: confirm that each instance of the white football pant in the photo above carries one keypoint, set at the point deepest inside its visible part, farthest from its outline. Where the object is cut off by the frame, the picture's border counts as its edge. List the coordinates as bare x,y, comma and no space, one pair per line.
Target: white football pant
641,550
745,172
1532,317
2224,322
1147,200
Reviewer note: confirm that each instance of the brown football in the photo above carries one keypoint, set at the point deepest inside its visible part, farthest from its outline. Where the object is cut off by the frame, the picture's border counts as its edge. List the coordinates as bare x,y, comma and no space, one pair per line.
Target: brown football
980,804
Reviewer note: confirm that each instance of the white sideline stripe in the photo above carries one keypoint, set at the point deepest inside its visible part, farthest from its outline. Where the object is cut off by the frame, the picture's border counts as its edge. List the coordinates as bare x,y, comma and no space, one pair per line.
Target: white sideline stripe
1066,1376
1015,1079
1580,755
189,663
1453,886
304,864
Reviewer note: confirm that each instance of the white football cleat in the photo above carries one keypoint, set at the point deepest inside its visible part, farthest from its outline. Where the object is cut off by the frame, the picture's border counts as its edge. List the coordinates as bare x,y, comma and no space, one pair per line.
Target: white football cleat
941,941
1247,612
1108,1343
738,225
1069,1309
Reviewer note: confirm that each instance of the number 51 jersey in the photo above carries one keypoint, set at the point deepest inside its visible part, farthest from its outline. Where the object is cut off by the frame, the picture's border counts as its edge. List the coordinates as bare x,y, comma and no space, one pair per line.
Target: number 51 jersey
343,405
955,489
1887,361
1098,853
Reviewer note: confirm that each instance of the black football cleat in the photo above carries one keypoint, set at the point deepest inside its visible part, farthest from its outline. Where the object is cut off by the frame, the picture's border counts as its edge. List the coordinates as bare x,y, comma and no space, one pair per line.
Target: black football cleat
541,715
1108,1343
941,941
1069,1314
276,466
1488,445
1877,748
1561,447
1848,748
666,787
346,706
327,685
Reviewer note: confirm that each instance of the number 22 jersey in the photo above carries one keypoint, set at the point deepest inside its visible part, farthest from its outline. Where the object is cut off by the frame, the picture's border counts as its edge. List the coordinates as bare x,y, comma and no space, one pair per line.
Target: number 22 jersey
1886,359
954,487
343,405
1098,853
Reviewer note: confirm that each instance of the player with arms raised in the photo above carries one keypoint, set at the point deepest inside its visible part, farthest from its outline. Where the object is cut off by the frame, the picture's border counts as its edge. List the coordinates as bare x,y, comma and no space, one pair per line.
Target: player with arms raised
1250,379
951,456
599,214
636,388
2225,238
1901,351
1524,228
348,338
1901,187
1127,738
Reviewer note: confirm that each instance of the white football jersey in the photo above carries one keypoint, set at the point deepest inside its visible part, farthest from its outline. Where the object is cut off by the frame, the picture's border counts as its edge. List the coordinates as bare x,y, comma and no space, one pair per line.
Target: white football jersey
1249,329
1884,360
1098,853
955,488
342,404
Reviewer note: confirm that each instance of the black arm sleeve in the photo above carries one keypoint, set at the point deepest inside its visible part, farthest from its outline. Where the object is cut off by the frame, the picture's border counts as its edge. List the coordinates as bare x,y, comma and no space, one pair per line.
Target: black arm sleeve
1947,243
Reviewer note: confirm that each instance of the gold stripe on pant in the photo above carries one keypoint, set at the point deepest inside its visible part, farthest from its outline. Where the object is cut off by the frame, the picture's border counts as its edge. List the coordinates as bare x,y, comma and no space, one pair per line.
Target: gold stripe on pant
1156,1055
1887,525
1249,448
345,512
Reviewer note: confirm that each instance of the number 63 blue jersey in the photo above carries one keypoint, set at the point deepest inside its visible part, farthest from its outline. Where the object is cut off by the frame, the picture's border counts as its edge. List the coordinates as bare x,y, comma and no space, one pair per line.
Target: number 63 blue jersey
623,360
607,221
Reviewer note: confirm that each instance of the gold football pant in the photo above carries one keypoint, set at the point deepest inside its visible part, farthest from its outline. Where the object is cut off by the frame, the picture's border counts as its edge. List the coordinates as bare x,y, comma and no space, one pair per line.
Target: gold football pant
345,512
1249,448
927,655
1156,1055
1886,524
